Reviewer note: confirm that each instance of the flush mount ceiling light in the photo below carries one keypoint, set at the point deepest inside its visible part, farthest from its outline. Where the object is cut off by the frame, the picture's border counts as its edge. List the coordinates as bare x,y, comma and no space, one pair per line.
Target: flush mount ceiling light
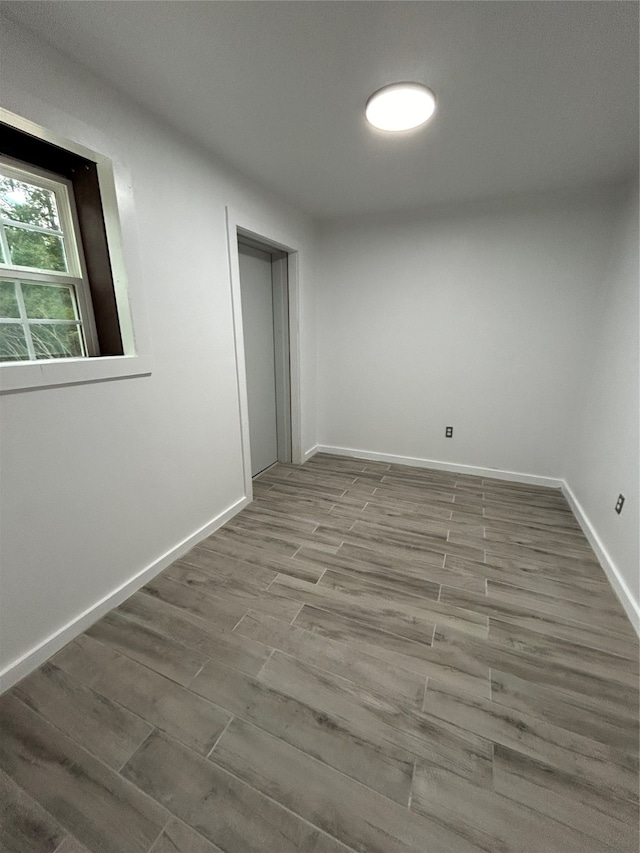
400,106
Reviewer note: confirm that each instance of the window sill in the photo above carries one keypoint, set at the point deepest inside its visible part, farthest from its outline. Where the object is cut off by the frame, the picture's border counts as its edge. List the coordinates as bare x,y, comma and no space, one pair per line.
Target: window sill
30,375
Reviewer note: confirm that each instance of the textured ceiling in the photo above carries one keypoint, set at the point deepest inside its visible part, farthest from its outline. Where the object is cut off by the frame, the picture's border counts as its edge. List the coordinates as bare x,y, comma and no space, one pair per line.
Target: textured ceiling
531,95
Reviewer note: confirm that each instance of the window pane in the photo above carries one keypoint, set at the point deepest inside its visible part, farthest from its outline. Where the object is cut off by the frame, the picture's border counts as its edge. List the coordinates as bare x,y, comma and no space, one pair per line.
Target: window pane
56,341
13,346
35,249
8,302
49,302
24,202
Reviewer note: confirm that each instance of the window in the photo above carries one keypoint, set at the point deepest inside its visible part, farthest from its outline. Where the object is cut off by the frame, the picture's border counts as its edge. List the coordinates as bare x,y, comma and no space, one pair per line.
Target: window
66,316
45,301
53,234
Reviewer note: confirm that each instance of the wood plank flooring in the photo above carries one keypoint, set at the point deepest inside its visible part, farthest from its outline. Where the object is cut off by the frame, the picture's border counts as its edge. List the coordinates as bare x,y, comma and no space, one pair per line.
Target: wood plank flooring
368,658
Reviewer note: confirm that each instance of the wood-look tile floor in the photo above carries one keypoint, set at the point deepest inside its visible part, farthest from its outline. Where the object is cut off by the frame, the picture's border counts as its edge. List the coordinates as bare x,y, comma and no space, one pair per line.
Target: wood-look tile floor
368,658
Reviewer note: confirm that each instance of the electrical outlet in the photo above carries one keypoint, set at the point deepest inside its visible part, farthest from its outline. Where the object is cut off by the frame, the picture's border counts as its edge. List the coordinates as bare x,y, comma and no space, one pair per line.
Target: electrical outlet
619,504
448,432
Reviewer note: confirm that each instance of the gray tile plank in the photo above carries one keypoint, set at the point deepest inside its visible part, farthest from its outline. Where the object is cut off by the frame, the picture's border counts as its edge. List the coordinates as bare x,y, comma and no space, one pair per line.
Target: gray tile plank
322,735
533,517
609,617
544,555
568,751
357,816
310,489
380,504
450,663
545,499
100,725
409,576
356,631
292,474
398,519
220,564
337,657
454,660
421,523
177,837
304,503
247,553
333,524
407,560
412,621
221,602
293,490
420,492
367,609
359,584
71,845
285,509
577,571
534,531
266,542
492,822
496,655
156,699
378,718
520,613
571,545
590,716
95,804
567,799
151,648
335,462
194,636
572,559
538,578
324,537
319,518
272,522
561,652
218,805
413,544
25,827
509,487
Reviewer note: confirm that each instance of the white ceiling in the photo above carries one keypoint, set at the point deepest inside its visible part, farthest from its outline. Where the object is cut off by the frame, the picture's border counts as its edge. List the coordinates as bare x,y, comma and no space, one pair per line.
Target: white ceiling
531,95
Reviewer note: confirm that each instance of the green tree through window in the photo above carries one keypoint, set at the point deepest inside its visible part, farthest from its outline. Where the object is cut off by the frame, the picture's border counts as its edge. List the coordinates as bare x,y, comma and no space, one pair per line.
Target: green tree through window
24,204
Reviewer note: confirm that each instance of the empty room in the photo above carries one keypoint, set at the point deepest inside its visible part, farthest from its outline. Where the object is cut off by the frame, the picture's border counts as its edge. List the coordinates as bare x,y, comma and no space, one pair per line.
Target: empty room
319,426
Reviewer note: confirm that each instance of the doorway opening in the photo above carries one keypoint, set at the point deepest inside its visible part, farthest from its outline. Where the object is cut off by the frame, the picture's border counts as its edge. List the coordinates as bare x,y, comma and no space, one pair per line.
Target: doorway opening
264,295
275,263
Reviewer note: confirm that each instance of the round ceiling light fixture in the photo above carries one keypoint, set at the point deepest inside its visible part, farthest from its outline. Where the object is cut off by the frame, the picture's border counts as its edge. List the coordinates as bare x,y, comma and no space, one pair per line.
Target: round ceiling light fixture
400,106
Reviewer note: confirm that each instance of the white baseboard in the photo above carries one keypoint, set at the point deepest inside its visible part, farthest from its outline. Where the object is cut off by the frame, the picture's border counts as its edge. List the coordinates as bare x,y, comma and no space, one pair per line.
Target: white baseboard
417,462
18,669
309,453
631,607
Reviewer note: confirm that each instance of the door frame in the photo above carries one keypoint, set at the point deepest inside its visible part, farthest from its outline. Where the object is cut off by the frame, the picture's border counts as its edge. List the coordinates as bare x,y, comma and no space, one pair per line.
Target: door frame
263,233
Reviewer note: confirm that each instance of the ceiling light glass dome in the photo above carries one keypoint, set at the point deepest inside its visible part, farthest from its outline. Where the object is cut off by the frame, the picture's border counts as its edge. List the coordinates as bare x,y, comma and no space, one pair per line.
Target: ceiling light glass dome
400,106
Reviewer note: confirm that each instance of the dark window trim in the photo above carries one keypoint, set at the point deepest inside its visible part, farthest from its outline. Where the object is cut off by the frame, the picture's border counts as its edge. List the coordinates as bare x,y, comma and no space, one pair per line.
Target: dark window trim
83,174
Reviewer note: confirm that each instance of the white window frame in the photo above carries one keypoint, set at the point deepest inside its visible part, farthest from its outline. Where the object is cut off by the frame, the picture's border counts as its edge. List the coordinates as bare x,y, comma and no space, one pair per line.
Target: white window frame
76,274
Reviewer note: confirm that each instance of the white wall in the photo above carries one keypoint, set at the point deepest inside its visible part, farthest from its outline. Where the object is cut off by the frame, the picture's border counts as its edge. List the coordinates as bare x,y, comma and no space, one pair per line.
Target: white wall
99,481
603,459
473,317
